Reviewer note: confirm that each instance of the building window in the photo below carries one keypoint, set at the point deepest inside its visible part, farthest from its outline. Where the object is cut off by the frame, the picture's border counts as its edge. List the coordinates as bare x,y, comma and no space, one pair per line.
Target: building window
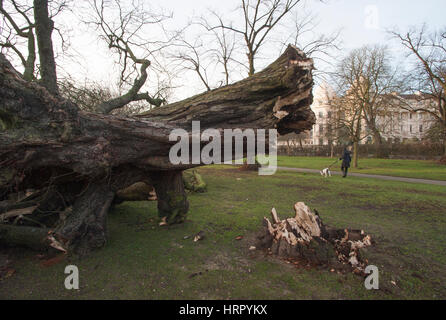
329,115
321,129
410,128
410,117
321,141
421,128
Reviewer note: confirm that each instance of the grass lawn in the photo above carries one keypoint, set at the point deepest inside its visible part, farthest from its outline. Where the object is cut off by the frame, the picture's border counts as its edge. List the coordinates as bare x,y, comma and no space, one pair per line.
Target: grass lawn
388,167
144,261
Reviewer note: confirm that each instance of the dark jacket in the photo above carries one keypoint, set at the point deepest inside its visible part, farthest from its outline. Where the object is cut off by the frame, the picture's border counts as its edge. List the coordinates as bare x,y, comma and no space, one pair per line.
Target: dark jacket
346,159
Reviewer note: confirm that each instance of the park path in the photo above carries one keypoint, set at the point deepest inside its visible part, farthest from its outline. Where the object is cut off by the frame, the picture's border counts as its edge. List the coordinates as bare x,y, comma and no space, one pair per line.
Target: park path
373,176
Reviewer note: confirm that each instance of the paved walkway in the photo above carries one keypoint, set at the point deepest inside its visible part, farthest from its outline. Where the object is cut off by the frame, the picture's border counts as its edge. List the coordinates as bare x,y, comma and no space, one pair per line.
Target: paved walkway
362,175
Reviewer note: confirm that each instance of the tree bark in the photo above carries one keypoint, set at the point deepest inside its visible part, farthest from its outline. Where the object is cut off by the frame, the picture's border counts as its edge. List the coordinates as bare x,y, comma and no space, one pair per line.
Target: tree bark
44,29
46,140
377,141
355,154
32,237
172,200
304,236
444,144
85,228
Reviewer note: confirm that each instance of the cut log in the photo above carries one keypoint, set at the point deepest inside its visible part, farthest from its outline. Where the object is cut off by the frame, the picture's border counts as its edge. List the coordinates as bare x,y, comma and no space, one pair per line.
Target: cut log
305,236
47,141
139,191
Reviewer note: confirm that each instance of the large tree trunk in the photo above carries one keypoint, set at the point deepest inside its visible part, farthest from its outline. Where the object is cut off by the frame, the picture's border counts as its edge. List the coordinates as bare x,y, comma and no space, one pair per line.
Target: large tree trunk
377,141
47,141
355,154
44,30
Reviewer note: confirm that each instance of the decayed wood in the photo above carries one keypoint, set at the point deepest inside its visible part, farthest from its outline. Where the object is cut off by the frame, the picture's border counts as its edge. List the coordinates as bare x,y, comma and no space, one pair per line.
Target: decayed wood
47,141
44,132
305,236
278,97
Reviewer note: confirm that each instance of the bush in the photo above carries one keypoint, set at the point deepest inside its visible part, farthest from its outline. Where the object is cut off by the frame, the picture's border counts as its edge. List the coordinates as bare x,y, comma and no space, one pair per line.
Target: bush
416,151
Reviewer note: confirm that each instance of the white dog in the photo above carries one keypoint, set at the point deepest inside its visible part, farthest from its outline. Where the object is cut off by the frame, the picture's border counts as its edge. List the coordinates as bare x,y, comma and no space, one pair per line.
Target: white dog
326,173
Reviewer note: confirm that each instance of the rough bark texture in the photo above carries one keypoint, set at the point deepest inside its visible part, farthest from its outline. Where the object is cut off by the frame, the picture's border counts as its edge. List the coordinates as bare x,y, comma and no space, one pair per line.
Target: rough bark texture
305,237
172,200
277,97
44,30
46,141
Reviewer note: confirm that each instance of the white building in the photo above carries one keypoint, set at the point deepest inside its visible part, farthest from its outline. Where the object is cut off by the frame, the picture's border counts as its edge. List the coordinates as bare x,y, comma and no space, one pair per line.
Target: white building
398,125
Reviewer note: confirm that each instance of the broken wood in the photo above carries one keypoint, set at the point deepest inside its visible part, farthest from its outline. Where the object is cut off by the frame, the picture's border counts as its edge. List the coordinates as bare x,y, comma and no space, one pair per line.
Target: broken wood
47,141
16,212
139,191
305,236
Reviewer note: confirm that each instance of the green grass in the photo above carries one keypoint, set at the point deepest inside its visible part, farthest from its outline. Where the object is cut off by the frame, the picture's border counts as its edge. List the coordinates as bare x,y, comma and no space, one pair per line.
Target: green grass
144,261
399,168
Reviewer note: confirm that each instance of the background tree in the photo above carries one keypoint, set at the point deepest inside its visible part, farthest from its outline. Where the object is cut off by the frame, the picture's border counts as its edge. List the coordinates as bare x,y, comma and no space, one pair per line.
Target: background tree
260,17
225,48
193,56
323,48
429,73
348,122
124,29
44,30
365,77
18,37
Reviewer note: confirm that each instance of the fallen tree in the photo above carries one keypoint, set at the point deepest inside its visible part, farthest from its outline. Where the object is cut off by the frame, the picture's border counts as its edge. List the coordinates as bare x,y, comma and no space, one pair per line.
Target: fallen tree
81,159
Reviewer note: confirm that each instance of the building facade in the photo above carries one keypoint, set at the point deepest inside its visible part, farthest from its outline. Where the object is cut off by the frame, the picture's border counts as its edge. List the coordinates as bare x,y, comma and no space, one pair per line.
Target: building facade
396,125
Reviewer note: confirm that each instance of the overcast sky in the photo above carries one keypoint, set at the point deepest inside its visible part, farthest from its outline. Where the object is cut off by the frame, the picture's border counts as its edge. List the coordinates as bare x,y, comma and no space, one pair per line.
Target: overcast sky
362,22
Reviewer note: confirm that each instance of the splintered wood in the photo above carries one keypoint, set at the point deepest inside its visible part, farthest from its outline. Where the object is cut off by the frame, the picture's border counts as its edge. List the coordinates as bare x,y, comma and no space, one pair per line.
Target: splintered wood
305,236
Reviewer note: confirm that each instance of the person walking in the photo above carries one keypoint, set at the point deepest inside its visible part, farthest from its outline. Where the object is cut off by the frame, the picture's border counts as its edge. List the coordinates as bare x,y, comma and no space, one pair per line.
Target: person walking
346,160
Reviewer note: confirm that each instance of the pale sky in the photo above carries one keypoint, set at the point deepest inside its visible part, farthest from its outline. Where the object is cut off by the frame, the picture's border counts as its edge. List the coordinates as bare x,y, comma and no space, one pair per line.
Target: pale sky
362,22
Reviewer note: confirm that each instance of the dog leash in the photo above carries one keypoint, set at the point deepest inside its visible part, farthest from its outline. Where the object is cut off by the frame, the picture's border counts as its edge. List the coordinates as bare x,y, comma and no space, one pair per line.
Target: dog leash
333,164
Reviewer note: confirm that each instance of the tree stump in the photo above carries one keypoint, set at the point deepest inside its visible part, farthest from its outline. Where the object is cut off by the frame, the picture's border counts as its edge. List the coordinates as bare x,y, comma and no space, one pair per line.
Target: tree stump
305,236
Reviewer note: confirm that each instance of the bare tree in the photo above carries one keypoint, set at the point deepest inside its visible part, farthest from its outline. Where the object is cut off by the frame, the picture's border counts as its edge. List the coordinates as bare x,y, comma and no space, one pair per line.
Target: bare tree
320,47
225,45
260,18
44,29
429,74
15,29
19,33
348,120
365,77
121,27
193,56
